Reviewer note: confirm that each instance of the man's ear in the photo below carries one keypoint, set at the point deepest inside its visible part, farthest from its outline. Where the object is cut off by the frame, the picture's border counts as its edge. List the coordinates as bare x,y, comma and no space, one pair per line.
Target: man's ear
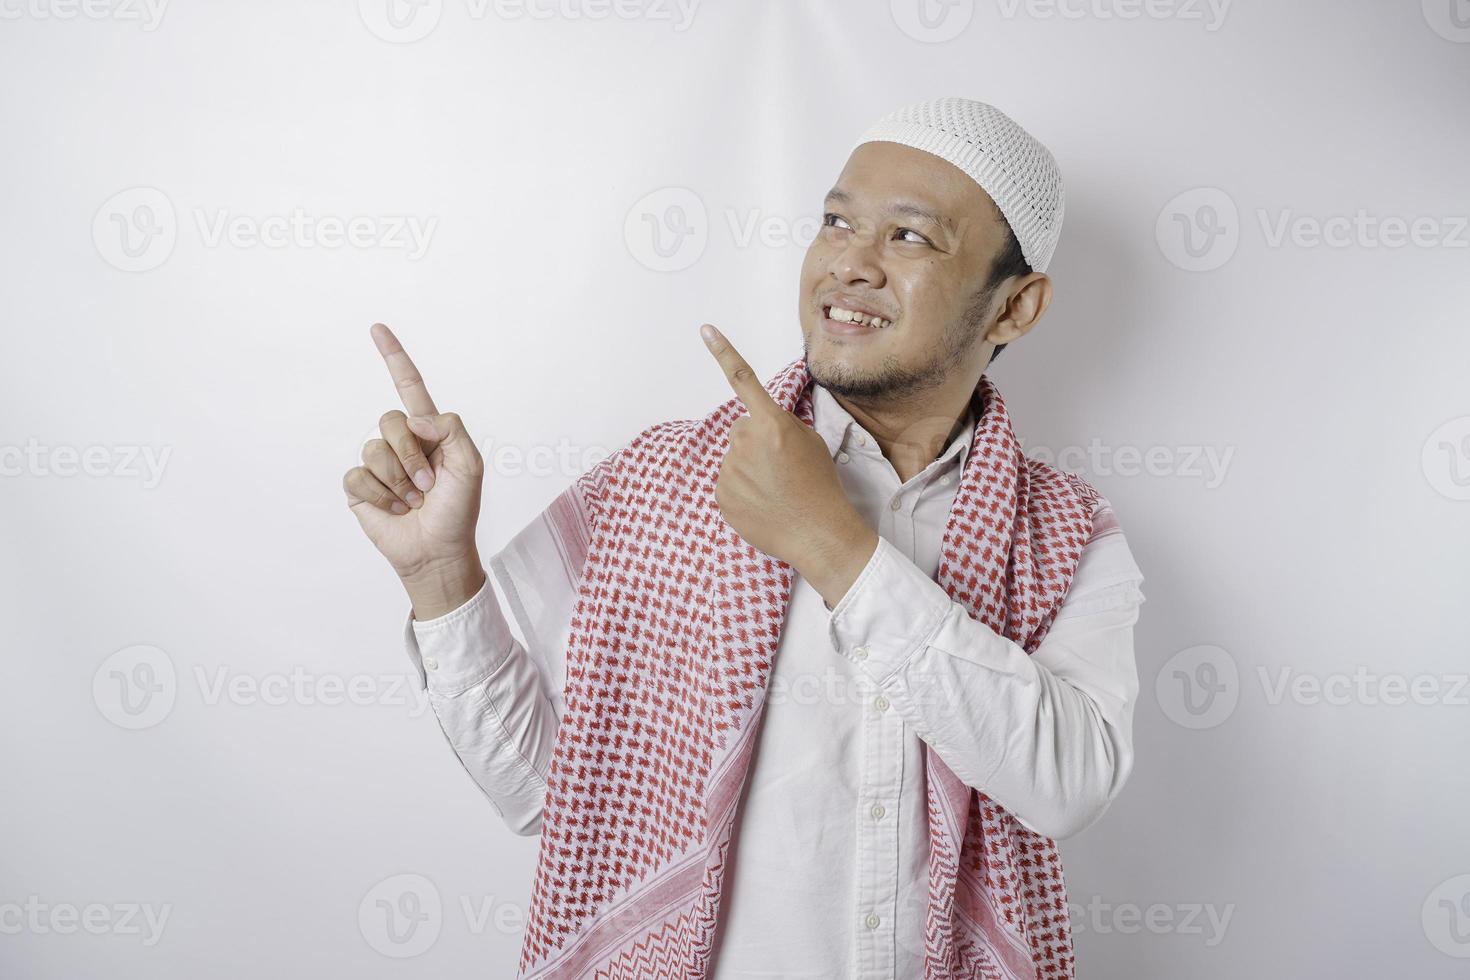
1029,297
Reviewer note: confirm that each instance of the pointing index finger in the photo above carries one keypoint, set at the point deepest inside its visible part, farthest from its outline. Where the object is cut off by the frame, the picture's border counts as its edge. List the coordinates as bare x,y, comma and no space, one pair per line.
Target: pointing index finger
742,378
406,377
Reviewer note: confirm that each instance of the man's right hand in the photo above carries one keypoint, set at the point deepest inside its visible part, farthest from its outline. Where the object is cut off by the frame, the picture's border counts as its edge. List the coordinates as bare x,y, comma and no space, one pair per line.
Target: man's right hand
417,494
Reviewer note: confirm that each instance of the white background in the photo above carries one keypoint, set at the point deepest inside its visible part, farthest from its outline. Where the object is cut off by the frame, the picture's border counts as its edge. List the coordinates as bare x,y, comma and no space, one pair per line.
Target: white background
1325,832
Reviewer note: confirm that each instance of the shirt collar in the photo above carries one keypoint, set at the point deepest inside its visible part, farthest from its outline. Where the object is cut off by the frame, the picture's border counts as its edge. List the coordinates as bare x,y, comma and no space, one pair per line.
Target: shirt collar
836,426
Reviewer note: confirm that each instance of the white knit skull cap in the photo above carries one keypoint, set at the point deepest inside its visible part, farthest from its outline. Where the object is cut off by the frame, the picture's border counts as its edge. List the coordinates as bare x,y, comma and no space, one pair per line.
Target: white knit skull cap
1010,164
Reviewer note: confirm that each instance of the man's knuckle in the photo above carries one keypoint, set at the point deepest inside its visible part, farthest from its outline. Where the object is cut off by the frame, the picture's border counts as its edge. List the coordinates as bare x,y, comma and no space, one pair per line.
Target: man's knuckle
392,415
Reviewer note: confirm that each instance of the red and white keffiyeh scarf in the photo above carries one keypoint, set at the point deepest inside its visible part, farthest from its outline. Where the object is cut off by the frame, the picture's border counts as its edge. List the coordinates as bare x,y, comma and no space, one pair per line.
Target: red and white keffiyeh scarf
675,621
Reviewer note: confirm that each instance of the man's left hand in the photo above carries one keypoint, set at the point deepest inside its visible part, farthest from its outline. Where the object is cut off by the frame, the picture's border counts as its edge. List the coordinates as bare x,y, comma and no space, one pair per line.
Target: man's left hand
778,486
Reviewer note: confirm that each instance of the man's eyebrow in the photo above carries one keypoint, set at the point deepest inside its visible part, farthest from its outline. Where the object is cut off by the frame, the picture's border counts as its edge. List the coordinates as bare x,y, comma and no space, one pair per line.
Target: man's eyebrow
838,196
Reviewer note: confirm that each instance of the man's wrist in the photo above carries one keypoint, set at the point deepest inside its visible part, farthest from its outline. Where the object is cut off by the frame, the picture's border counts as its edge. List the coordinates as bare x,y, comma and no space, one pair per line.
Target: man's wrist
835,563
444,586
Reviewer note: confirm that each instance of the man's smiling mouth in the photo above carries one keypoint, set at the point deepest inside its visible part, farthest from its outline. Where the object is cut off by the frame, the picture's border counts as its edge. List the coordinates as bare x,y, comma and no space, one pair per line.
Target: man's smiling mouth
842,315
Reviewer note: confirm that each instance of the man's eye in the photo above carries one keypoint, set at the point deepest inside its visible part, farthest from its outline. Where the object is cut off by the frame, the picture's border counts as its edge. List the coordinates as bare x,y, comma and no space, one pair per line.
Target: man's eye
917,239
829,217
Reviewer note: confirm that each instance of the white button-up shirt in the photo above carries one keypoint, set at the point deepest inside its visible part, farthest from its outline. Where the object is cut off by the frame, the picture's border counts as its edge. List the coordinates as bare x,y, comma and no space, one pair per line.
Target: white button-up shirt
828,875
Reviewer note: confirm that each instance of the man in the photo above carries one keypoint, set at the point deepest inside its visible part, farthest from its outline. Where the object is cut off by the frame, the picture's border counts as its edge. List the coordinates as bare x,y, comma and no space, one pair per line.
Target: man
810,685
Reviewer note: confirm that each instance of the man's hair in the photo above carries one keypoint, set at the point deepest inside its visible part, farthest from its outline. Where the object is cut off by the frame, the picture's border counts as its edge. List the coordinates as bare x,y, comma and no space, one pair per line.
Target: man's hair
1008,262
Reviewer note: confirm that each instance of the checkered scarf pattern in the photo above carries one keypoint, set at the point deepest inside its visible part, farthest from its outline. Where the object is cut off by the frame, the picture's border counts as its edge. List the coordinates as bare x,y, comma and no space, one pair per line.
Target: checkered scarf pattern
673,634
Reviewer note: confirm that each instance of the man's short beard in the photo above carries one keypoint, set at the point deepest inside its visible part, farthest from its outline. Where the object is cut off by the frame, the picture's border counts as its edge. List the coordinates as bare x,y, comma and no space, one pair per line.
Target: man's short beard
892,381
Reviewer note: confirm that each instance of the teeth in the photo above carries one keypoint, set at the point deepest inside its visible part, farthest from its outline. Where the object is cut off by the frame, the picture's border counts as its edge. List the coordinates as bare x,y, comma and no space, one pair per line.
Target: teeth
852,316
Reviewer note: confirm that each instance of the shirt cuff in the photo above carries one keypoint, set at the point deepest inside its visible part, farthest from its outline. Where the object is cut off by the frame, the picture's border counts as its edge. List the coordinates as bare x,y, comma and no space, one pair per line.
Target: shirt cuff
889,613
457,650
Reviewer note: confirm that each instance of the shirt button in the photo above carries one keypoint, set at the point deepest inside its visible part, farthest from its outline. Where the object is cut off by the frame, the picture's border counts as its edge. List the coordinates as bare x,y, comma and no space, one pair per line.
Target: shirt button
431,663
861,653
843,457
862,439
871,921
947,479
895,503
878,811
881,703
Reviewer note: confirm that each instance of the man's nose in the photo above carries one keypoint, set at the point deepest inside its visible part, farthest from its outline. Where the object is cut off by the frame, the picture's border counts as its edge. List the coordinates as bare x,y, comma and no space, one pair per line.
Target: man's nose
859,260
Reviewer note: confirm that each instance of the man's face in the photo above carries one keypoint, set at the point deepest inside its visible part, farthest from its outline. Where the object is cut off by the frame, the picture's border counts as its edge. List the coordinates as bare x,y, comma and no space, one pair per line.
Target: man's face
910,237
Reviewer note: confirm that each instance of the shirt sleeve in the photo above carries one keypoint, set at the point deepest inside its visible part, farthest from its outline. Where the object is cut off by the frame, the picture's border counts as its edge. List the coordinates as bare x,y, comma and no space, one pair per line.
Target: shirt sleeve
1048,736
489,701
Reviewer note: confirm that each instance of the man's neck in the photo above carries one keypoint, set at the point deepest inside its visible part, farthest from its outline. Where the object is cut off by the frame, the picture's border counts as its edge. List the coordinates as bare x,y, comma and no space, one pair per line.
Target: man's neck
914,432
